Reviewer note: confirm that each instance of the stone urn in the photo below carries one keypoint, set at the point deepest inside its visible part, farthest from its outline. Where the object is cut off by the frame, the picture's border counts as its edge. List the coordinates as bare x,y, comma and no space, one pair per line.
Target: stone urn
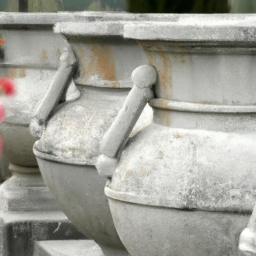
69,147
29,54
185,185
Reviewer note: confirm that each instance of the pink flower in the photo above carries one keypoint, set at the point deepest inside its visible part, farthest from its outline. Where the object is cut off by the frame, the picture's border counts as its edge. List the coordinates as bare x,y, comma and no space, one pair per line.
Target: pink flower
2,113
7,87
2,42
2,116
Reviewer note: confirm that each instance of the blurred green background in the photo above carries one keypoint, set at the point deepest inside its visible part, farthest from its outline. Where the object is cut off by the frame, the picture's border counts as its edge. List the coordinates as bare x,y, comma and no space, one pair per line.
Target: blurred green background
137,6
179,6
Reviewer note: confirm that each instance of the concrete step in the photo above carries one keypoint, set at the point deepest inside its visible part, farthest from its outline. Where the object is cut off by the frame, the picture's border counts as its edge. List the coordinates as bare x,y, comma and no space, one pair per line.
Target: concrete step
67,248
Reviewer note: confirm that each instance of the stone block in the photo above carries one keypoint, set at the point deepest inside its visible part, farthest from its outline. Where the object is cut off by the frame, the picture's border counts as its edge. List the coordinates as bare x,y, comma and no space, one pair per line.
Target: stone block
19,230
67,248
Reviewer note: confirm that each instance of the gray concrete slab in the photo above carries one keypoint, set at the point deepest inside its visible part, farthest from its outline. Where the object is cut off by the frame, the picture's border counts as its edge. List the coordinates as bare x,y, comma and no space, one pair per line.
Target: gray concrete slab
67,248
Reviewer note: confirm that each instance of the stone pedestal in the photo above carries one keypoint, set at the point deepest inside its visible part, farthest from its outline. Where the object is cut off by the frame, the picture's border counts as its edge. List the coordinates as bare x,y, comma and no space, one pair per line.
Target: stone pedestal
26,191
20,230
28,213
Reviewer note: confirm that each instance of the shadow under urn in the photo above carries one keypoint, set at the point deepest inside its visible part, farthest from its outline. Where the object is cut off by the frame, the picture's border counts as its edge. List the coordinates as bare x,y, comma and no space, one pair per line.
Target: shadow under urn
185,185
69,146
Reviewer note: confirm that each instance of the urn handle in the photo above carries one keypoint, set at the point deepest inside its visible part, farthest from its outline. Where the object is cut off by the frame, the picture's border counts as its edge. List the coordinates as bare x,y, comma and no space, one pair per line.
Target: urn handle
143,78
55,92
248,236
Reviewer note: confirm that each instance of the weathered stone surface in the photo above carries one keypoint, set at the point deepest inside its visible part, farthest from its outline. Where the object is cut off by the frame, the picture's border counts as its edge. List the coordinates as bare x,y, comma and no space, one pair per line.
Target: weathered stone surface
19,231
83,122
197,28
164,231
55,93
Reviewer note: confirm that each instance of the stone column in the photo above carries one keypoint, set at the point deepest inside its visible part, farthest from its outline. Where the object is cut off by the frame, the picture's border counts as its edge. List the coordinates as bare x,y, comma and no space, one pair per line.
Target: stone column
4,171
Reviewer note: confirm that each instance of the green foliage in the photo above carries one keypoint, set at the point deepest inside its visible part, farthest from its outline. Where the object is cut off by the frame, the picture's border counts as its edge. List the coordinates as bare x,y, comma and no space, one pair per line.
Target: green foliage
3,5
243,6
44,6
94,5
9,5
210,6
139,6
76,5
178,6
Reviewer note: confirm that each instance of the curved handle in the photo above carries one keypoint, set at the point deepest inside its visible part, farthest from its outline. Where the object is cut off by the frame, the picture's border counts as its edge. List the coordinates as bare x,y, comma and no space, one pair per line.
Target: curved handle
248,237
143,78
55,93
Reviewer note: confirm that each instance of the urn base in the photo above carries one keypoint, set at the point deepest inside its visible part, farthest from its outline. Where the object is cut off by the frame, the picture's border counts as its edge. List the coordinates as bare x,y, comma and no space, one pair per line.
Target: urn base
26,191
79,191
165,231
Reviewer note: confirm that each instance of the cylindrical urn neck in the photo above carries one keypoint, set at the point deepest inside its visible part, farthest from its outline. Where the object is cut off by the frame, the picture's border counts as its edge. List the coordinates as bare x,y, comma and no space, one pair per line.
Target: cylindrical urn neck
204,85
222,118
222,74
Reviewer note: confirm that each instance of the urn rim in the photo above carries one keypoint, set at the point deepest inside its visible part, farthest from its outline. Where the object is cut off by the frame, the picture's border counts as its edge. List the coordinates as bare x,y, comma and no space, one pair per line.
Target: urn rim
196,28
13,19
61,159
201,107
